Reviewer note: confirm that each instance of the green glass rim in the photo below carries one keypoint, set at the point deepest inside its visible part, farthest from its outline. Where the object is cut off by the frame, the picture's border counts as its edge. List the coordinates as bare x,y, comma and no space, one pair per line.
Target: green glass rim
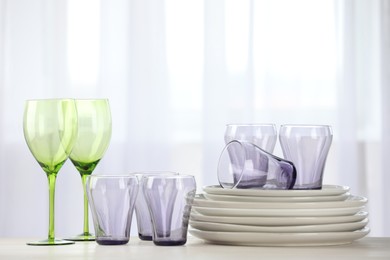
91,99
50,99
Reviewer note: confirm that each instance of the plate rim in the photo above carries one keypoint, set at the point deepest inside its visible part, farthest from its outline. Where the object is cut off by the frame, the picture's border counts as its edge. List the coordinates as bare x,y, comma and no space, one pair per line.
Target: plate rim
343,227
278,212
278,220
351,201
238,198
291,239
330,189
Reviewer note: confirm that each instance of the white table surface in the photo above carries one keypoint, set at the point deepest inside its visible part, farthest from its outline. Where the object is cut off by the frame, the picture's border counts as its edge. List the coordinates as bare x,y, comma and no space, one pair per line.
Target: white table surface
16,248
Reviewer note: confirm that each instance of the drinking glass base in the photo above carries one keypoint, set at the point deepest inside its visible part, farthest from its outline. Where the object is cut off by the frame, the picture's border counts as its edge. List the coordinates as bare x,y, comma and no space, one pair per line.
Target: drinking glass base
145,237
170,242
82,237
112,242
50,242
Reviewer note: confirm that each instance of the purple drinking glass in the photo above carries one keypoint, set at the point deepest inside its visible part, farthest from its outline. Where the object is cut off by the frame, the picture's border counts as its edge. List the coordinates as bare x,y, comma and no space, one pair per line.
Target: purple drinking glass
144,222
307,146
169,199
112,199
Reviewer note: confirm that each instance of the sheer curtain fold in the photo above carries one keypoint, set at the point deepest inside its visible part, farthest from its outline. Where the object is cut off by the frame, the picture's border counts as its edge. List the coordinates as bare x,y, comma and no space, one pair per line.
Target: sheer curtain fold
114,77
215,88
149,123
360,146
385,105
149,87
2,73
229,91
347,95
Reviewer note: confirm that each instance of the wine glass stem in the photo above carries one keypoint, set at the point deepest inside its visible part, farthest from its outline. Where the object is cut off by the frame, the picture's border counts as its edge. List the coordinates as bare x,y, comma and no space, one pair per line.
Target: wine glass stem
86,217
52,183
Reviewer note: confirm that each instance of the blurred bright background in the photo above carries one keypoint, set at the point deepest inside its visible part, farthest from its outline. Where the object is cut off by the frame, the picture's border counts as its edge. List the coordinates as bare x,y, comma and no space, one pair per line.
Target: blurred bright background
176,72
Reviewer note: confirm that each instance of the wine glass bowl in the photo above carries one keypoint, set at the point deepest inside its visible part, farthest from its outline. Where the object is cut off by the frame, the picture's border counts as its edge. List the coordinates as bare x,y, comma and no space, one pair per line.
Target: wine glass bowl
50,130
94,134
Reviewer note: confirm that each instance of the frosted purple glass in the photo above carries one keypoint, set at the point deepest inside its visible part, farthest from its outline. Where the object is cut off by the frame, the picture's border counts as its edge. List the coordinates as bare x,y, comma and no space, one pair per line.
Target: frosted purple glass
307,146
262,135
112,199
144,222
247,166
169,200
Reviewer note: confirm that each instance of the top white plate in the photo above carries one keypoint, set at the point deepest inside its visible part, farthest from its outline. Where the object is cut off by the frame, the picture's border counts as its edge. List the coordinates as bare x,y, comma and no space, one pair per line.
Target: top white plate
327,190
218,197
352,201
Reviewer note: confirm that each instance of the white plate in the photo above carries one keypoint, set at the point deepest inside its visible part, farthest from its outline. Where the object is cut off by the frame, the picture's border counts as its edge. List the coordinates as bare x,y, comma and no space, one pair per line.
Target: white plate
350,202
339,227
327,190
218,197
280,221
280,239
277,212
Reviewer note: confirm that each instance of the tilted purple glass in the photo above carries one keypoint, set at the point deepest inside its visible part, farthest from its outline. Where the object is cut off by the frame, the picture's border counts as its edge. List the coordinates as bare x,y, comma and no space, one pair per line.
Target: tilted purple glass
247,166
169,199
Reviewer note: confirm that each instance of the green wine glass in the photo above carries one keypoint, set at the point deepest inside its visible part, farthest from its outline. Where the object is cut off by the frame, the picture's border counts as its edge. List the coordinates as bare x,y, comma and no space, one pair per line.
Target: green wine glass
50,130
94,134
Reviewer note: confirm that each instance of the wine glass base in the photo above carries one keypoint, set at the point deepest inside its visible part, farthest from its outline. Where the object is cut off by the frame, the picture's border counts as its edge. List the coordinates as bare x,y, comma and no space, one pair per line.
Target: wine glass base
50,242
82,237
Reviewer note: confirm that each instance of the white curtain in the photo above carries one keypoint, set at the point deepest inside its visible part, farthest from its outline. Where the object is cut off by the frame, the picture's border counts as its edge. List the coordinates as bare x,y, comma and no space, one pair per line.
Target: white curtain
176,72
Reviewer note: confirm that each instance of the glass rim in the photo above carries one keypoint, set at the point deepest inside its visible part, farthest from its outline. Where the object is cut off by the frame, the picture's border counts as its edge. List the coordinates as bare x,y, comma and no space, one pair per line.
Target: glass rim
112,176
147,173
251,124
306,125
178,176
244,155
49,99
67,98
91,99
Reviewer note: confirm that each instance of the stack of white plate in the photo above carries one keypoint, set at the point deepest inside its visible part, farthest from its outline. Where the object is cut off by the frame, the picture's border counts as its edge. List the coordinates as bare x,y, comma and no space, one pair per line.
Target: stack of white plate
331,216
